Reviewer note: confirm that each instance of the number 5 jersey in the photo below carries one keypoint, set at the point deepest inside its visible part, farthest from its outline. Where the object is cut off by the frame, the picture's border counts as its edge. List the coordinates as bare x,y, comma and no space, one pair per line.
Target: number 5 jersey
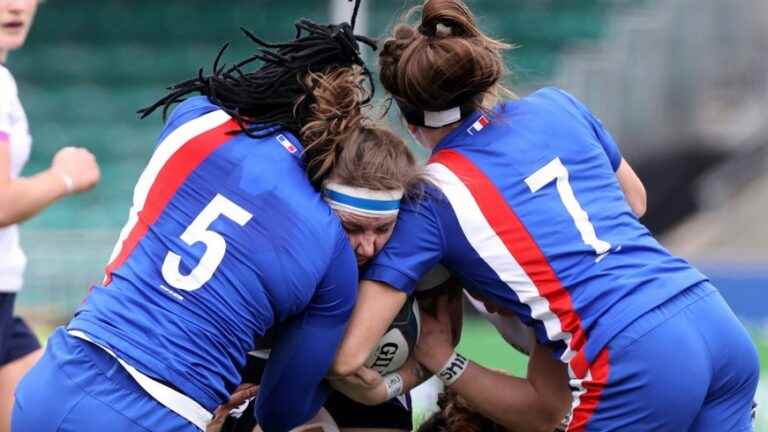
226,238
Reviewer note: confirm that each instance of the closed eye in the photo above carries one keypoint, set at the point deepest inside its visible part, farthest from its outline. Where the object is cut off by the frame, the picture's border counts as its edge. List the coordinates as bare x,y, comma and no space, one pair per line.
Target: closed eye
383,229
352,229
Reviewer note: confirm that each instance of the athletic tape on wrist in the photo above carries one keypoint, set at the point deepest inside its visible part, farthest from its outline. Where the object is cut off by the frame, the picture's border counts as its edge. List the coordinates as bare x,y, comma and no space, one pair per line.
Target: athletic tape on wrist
453,368
394,385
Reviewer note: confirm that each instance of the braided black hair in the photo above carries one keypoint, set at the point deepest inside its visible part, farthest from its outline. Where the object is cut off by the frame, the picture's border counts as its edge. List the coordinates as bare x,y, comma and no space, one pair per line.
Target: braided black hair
275,95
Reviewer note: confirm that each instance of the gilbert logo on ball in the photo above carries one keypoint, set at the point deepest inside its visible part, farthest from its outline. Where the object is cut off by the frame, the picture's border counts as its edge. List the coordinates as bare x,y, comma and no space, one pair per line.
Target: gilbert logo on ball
397,343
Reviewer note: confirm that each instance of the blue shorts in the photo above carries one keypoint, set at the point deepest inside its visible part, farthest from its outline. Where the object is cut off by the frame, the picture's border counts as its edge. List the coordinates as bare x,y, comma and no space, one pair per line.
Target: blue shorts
16,338
78,387
687,365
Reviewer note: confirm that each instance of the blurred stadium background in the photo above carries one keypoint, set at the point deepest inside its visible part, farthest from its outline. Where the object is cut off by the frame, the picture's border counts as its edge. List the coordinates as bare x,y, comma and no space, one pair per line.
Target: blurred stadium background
682,84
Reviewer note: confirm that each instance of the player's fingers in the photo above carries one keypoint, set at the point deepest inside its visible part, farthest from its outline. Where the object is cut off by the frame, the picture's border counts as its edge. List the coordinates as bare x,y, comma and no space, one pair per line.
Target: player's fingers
243,393
219,417
368,376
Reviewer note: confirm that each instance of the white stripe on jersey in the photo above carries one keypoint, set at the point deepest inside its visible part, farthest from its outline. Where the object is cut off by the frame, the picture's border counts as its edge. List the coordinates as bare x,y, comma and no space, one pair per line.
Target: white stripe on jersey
164,151
171,398
578,390
492,250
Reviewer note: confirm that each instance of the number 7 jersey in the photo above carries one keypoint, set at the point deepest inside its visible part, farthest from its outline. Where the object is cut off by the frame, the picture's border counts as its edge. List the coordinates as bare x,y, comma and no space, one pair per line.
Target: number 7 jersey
527,212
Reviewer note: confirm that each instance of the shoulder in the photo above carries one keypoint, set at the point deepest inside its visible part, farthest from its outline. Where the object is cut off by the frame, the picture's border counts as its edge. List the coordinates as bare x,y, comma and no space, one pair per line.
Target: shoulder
191,108
548,103
554,96
323,229
6,79
548,96
428,195
273,161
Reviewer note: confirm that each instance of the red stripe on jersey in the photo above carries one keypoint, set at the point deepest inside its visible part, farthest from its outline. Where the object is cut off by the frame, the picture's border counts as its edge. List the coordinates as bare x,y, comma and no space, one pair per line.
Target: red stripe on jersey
171,176
518,241
589,400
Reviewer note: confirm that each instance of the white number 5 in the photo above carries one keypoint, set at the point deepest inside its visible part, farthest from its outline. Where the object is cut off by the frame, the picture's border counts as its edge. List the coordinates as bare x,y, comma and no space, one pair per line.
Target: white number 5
215,245
555,170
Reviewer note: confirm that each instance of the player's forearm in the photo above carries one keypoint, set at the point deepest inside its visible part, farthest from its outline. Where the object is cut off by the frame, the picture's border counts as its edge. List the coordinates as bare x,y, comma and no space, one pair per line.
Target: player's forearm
409,376
509,401
376,307
515,403
24,197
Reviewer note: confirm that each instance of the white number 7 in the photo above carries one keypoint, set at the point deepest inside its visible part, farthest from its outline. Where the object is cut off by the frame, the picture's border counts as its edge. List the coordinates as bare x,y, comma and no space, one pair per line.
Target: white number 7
215,245
555,170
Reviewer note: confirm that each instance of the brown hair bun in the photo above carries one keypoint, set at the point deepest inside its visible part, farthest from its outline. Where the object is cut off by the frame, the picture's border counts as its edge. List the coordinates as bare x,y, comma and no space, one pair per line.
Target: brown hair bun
444,62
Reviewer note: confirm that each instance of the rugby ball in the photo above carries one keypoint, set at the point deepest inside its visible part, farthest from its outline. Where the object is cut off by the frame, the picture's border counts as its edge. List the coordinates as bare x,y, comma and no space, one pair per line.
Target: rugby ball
397,343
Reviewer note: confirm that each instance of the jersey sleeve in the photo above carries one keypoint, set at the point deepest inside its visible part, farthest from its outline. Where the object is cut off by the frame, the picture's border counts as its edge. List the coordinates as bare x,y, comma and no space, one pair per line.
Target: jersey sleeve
7,93
415,247
292,387
604,137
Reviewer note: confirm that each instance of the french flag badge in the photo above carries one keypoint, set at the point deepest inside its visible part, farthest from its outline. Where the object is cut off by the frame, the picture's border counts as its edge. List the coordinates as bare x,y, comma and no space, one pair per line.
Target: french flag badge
478,125
287,144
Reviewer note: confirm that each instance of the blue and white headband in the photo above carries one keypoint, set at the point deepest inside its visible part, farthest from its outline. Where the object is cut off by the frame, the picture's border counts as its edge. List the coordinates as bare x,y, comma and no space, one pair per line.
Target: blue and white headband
362,201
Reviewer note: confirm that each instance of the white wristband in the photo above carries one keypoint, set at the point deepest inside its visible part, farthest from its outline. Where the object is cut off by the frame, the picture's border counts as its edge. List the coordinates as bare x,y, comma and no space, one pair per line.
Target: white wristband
394,385
69,184
453,368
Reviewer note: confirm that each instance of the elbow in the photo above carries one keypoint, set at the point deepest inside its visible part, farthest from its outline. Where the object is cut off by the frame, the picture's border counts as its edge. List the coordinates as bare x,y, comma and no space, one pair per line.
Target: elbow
546,416
9,215
552,414
6,217
636,197
8,220
639,204
547,420
553,422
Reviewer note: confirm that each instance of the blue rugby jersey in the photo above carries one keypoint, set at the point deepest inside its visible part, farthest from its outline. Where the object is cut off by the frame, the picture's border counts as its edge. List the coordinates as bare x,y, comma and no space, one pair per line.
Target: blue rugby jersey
527,212
226,238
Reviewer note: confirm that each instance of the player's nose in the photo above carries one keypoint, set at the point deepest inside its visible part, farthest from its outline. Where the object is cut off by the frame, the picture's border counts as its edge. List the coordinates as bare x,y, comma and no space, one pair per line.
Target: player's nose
367,247
15,6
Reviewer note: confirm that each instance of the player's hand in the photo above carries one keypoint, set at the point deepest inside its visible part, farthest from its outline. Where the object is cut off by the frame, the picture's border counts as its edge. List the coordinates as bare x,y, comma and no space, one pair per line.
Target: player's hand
365,386
367,377
242,395
77,167
436,339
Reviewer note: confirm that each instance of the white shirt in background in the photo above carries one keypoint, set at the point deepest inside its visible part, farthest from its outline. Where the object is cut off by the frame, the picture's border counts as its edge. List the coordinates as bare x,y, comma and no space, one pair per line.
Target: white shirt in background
13,128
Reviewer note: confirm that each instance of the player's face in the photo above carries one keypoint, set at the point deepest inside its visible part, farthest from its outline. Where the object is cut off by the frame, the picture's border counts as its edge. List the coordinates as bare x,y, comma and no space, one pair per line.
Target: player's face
15,19
367,234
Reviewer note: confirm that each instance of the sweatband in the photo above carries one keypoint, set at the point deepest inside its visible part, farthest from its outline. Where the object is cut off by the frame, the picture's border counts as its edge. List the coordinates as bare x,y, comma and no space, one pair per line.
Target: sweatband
362,201
394,385
453,368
